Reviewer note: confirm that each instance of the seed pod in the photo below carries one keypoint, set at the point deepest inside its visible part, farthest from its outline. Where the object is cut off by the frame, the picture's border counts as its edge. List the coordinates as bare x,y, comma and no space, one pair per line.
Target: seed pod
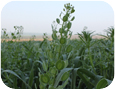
63,9
45,78
60,65
53,70
69,25
68,49
65,18
57,20
61,30
62,40
65,76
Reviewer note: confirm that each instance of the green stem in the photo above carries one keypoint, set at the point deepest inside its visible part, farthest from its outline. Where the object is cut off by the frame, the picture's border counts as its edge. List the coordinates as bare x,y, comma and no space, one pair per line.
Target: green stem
91,61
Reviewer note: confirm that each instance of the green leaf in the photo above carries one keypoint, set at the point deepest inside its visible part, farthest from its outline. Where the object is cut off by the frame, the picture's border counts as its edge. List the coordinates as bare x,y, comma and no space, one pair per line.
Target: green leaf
65,76
31,78
13,73
66,63
57,20
95,78
68,49
63,85
102,84
73,18
58,78
73,77
85,80
45,65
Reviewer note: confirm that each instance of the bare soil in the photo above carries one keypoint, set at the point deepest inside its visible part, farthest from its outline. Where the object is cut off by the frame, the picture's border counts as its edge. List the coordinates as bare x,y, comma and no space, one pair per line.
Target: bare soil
40,38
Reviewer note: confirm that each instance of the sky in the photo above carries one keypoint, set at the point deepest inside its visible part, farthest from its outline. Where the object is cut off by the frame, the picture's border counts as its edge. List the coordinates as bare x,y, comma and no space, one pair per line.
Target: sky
37,16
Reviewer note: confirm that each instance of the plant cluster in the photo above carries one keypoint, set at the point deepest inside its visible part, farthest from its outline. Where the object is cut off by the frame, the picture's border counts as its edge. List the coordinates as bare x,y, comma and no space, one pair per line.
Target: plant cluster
61,63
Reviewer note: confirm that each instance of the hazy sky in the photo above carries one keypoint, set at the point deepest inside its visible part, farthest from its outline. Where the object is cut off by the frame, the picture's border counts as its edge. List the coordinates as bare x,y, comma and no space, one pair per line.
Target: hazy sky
37,16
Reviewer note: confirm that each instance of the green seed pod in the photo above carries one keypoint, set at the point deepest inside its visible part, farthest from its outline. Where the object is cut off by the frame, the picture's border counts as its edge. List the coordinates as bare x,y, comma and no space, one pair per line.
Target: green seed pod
53,70
61,30
57,20
65,76
68,49
62,40
65,18
69,25
45,78
4,32
11,33
63,9
73,18
60,65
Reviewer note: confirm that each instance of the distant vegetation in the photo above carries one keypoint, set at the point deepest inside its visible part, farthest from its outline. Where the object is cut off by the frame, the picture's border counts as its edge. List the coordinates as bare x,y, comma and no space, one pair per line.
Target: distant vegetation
62,63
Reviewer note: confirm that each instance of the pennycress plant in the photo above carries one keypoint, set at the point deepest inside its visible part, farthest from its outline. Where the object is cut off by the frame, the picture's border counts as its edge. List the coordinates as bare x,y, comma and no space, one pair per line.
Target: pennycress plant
53,66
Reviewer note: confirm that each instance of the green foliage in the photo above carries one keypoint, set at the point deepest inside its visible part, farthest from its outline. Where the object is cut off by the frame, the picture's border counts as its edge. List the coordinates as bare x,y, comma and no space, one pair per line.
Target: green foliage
102,84
62,63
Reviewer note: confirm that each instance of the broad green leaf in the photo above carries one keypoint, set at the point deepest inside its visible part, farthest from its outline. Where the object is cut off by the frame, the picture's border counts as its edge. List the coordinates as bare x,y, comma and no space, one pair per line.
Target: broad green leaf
65,76
63,85
58,78
102,84
85,80
69,49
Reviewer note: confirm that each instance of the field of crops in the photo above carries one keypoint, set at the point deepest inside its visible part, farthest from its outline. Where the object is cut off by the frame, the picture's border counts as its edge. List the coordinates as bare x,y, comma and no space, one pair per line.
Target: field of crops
62,63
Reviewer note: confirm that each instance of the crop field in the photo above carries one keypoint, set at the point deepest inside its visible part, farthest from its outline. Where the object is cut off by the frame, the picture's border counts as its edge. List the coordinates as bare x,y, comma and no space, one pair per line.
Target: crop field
59,63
